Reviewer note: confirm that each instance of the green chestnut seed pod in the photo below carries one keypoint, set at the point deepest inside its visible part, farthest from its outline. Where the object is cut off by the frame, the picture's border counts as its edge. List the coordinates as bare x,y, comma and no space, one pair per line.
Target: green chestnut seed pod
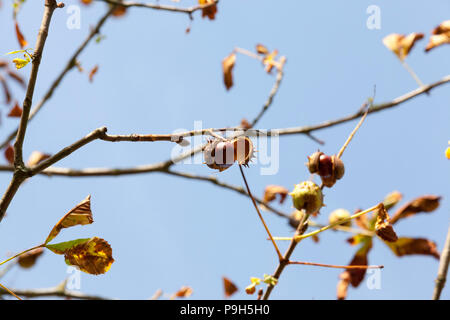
339,215
307,196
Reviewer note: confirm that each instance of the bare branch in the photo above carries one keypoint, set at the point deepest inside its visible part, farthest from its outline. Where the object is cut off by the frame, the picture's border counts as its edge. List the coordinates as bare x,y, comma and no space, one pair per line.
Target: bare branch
189,11
443,268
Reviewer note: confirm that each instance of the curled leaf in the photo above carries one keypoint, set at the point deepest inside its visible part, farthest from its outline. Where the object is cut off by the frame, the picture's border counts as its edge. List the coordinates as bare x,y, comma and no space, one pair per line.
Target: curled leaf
20,38
440,36
36,157
184,292
400,44
16,111
342,286
20,63
272,191
409,246
227,67
92,73
261,49
93,256
426,203
9,154
27,260
360,258
80,215
210,10
383,227
229,287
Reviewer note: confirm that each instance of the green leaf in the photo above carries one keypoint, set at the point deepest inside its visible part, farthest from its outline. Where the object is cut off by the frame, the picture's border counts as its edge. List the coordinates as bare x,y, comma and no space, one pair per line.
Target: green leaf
62,247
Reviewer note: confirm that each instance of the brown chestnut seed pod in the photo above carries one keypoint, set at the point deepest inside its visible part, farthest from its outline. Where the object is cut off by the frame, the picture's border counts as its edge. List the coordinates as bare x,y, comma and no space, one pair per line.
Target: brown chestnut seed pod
209,154
338,167
313,162
243,150
224,153
325,166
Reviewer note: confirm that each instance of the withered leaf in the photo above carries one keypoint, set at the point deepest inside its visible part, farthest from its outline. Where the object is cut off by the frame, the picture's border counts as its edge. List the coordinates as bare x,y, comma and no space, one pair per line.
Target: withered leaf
383,228
440,36
261,49
227,67
6,90
245,124
86,2
400,44
80,215
119,11
360,258
93,256
272,191
342,286
16,77
20,38
27,260
210,10
408,246
92,73
16,111
426,203
229,287
9,154
184,292
37,157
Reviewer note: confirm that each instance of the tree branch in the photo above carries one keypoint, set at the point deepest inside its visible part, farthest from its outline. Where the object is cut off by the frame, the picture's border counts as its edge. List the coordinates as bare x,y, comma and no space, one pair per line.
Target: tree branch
443,268
189,11
20,172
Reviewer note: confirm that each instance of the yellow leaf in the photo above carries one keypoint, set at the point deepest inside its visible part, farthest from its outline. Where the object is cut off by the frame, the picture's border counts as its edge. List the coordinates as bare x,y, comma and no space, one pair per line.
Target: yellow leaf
440,36
80,215
227,66
20,63
400,44
447,152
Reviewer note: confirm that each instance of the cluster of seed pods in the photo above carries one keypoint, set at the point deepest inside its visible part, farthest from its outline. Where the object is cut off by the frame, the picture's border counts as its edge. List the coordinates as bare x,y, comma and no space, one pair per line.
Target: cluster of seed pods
329,168
221,154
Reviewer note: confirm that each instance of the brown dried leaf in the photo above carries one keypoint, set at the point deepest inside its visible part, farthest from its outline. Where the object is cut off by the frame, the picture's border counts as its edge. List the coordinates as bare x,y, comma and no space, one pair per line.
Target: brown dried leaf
27,260
245,124
20,38
86,2
360,259
16,111
408,246
342,285
80,215
9,154
210,11
184,292
400,44
119,11
229,287
92,73
6,90
426,203
227,67
93,256
383,228
261,49
36,157
16,77
272,191
440,36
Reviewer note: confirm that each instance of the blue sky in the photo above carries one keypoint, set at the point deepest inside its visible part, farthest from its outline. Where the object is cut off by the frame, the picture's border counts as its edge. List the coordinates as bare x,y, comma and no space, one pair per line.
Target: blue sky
167,232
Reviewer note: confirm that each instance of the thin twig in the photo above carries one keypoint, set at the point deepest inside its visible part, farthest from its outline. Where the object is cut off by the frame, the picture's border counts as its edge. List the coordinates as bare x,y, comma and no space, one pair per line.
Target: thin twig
259,214
334,266
189,11
9,291
443,268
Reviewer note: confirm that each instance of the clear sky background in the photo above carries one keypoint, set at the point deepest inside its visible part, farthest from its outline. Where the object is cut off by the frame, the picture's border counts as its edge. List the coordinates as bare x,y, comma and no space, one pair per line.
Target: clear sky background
167,232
